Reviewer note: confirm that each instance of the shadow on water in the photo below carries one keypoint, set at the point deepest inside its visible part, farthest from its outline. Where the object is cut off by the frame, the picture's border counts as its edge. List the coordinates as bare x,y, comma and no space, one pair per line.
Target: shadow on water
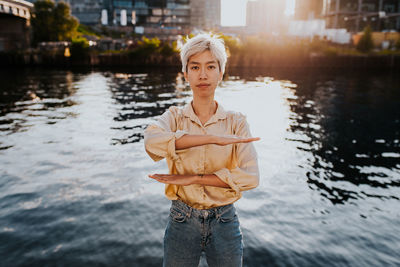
143,96
33,94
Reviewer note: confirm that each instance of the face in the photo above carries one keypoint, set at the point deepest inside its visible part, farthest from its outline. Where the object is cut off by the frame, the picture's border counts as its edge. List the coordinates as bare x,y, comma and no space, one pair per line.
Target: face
203,74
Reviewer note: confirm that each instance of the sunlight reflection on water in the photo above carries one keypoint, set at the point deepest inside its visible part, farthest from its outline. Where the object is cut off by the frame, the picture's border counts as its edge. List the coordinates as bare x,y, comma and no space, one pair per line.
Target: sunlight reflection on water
73,184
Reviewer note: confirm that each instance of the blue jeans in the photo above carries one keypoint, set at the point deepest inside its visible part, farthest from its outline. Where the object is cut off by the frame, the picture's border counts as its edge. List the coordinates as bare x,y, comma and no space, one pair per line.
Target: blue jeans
190,231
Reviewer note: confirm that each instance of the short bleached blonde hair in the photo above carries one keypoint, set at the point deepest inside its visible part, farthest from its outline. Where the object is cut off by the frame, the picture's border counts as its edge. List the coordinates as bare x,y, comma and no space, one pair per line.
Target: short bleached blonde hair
200,43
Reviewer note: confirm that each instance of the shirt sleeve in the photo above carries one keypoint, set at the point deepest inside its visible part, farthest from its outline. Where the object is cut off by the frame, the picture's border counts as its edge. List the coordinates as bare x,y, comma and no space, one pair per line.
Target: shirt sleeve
159,137
246,175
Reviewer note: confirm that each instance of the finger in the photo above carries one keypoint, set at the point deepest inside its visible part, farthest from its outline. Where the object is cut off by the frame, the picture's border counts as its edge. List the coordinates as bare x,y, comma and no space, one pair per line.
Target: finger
158,175
155,176
252,139
158,179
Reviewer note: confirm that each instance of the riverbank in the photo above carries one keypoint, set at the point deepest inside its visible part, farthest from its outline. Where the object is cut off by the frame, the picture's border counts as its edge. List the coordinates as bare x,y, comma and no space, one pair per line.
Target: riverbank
268,60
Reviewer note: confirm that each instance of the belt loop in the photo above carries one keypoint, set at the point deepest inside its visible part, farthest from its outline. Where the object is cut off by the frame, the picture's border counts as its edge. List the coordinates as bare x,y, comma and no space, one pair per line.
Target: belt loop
189,212
217,213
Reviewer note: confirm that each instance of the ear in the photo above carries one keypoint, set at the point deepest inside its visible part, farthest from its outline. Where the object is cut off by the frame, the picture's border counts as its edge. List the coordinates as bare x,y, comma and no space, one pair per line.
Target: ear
221,75
186,77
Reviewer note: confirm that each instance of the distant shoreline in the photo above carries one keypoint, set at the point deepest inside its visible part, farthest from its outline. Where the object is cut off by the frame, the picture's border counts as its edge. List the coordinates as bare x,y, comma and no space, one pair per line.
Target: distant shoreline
312,60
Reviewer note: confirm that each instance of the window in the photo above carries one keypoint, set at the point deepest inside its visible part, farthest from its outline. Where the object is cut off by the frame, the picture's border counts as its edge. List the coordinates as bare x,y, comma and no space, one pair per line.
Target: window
389,8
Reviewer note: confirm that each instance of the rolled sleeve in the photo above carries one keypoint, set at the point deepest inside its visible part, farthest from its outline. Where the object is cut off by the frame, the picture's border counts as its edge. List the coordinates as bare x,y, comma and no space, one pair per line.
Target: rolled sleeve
245,175
239,179
226,176
159,138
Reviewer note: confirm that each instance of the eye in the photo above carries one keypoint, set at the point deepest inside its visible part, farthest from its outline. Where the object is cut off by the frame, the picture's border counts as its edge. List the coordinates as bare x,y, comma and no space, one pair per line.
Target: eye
194,68
211,67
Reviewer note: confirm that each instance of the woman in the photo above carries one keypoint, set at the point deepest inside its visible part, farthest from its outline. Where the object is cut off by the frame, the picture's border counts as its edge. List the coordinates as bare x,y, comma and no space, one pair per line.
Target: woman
211,160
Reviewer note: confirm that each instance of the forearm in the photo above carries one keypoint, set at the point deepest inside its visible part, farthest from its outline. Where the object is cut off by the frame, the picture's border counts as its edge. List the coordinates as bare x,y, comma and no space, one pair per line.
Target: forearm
188,141
211,180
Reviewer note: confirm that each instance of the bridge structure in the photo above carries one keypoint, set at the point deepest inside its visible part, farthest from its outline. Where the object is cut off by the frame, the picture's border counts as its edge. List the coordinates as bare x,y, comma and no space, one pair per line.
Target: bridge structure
15,18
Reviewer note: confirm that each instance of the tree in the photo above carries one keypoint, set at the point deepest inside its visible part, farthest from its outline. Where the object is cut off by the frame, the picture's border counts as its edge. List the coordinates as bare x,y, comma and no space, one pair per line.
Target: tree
65,24
366,43
52,22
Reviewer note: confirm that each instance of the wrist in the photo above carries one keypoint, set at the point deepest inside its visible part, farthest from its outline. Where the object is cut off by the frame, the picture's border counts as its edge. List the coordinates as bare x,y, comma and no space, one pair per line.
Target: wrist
197,178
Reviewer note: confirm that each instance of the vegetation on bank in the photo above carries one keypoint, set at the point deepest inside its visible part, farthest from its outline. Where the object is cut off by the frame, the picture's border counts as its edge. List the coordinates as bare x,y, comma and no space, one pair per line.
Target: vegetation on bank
53,22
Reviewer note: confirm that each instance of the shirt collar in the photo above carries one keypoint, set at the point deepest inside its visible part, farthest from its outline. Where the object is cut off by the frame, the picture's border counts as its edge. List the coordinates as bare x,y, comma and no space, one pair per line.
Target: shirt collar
189,112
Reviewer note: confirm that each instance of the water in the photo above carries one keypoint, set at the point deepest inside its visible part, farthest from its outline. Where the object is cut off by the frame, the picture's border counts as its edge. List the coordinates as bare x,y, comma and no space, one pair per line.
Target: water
74,189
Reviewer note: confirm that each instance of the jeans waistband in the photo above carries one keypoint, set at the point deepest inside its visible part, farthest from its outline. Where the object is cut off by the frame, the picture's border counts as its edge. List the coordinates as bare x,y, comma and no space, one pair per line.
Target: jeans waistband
189,211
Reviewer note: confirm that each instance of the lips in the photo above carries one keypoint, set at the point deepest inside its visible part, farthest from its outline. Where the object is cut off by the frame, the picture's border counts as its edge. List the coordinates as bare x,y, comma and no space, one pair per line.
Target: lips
203,85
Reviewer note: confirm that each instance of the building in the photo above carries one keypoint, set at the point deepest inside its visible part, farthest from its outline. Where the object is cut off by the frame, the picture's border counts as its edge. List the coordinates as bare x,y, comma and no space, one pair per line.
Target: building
117,12
158,17
14,24
150,17
205,14
166,13
354,15
88,12
308,9
265,16
138,13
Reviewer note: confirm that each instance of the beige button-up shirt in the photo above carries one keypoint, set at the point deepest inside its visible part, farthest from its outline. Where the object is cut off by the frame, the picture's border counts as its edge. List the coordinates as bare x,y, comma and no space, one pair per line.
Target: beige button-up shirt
235,164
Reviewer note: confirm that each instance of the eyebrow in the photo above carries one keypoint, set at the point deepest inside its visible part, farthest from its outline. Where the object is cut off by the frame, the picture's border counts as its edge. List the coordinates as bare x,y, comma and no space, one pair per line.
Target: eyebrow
198,63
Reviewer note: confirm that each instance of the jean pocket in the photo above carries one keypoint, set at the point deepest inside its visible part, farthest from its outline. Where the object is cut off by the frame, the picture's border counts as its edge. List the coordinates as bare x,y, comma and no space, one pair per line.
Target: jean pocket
227,216
177,215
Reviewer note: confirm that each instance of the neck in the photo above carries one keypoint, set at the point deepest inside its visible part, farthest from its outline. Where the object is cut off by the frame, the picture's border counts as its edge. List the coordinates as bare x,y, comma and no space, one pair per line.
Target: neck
204,107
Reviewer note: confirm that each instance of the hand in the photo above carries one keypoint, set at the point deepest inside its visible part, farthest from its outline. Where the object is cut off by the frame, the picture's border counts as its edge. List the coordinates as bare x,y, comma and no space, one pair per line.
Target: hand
227,140
174,178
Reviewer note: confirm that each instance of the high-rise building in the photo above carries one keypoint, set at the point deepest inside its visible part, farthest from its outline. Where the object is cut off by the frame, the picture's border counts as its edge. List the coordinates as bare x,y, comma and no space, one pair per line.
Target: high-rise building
166,14
119,12
354,15
265,16
162,16
88,12
308,9
205,14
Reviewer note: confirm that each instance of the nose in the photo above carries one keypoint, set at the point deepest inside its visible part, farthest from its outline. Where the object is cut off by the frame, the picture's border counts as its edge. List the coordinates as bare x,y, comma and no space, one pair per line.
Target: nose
203,74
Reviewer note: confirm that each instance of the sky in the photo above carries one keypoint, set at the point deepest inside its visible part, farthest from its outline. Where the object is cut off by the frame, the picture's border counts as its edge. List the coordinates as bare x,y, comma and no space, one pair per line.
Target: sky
233,12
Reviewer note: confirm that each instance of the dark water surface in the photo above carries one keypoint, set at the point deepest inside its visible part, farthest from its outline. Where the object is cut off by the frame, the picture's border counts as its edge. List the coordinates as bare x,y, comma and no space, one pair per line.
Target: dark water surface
73,182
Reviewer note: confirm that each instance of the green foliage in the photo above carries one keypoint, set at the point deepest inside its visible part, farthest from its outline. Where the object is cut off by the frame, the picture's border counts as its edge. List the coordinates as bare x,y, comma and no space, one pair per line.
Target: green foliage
87,30
330,51
42,21
388,52
397,45
147,46
233,44
317,45
115,34
79,48
52,22
366,44
167,50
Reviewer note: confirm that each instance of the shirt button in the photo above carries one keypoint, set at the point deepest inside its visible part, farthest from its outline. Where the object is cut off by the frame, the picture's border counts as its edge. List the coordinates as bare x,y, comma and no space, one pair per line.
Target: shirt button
205,214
